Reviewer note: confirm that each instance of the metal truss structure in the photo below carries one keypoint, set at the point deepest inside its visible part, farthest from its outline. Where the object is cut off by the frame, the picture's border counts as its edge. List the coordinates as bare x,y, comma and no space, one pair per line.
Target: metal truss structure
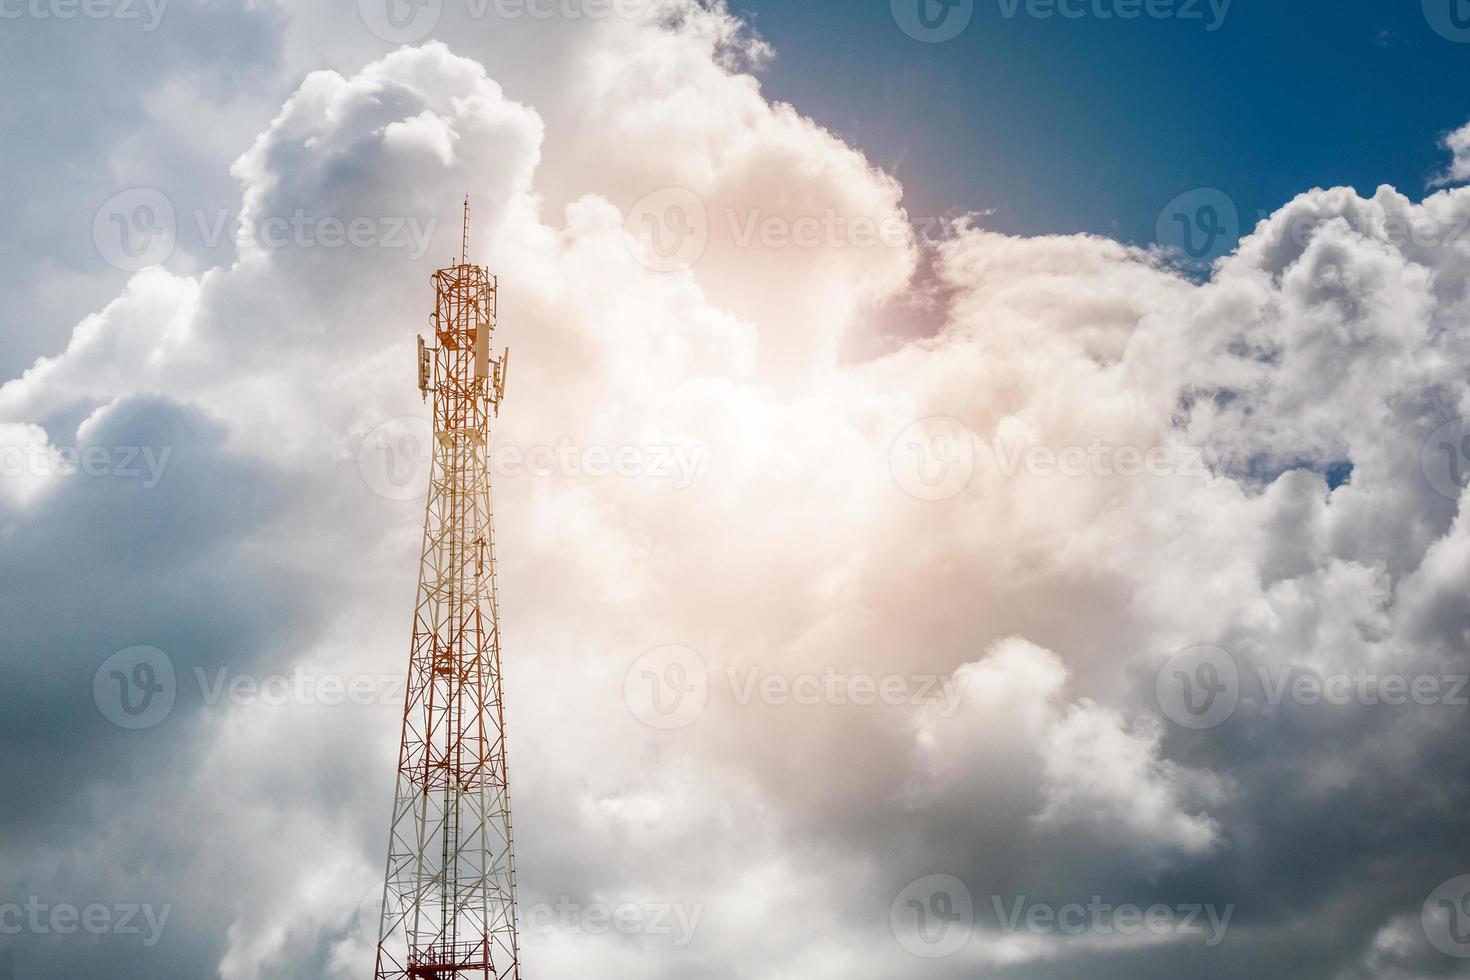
449,900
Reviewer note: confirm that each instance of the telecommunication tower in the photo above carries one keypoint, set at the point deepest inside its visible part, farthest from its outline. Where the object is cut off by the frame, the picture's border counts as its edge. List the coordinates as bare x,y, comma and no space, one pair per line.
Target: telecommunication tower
449,899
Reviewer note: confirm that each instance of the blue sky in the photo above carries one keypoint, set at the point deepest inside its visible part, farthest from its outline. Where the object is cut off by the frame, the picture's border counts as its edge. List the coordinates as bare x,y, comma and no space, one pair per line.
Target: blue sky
1094,125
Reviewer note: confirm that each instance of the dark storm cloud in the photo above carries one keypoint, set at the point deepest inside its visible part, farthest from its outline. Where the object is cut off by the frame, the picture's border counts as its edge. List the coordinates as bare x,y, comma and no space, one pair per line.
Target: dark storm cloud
124,553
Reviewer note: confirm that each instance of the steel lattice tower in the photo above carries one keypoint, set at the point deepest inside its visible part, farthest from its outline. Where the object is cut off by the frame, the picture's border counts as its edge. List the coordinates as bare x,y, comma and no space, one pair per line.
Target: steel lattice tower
449,899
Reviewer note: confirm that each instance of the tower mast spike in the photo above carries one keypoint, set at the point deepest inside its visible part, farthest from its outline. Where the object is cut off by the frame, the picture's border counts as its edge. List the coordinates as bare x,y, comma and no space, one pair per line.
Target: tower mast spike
464,241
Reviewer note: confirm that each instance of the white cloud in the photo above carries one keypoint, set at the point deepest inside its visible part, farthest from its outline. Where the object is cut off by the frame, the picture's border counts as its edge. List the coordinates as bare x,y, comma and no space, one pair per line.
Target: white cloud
1099,770
1458,143
796,549
1018,737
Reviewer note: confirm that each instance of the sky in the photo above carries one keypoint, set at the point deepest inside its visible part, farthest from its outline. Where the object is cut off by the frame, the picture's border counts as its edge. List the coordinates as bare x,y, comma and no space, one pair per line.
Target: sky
1091,123
934,539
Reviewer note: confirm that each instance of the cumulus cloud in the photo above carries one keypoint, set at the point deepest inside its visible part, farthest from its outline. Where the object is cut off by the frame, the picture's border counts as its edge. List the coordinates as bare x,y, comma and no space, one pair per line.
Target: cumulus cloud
965,521
1458,143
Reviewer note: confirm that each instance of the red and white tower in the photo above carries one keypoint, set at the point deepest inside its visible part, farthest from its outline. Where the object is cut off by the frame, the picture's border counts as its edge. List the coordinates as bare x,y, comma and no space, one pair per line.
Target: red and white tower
449,901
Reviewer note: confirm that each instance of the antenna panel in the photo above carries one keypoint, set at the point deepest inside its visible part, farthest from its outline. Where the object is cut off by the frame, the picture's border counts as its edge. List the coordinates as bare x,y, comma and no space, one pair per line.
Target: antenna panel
482,350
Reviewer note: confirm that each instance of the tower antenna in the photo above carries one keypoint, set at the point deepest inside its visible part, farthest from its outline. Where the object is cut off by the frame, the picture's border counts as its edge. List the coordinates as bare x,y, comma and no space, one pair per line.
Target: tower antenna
464,241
